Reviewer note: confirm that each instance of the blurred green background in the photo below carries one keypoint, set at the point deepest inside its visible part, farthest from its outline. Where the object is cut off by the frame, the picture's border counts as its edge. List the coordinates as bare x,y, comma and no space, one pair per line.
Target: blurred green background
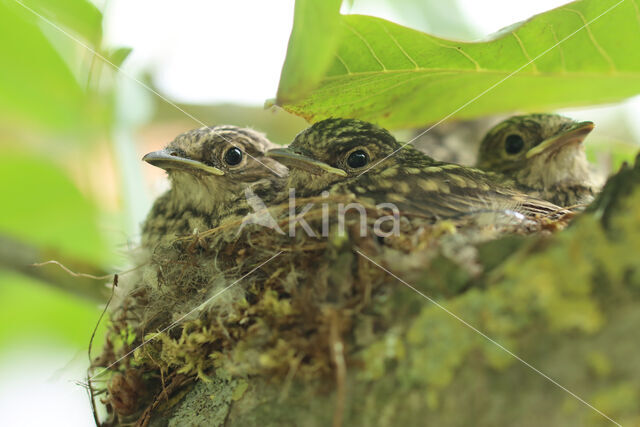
73,130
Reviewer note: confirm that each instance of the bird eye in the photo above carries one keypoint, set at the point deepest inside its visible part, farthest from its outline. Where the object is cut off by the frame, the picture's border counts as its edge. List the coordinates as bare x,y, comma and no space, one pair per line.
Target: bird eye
514,144
233,156
357,159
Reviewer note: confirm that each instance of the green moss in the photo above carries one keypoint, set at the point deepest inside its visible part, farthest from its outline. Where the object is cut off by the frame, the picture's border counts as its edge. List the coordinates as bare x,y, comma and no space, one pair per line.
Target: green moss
599,364
238,392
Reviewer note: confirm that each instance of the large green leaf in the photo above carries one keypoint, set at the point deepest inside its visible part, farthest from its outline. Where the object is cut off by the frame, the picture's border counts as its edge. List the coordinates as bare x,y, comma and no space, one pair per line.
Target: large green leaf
399,77
42,206
314,38
80,17
36,85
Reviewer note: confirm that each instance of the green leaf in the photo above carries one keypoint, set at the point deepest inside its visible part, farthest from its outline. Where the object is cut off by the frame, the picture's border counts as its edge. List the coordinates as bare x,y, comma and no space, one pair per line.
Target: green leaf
33,312
81,17
41,205
36,85
119,55
314,38
399,77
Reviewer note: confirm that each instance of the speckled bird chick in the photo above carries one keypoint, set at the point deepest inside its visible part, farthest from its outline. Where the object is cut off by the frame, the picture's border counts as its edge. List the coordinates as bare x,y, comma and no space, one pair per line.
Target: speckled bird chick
210,168
544,155
352,156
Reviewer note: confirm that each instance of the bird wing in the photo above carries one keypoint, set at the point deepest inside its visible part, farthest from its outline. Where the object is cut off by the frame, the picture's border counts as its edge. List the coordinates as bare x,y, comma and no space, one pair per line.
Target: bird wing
443,191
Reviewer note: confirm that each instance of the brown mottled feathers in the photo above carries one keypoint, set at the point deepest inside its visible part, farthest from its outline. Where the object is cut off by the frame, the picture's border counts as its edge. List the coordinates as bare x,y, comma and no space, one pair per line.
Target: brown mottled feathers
406,177
198,201
560,173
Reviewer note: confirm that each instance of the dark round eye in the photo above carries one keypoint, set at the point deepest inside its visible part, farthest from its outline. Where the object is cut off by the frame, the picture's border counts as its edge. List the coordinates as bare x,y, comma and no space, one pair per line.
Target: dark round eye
233,156
514,144
358,159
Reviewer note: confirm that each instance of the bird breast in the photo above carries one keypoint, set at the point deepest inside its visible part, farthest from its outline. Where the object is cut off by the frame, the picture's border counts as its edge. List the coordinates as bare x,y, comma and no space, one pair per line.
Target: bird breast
565,168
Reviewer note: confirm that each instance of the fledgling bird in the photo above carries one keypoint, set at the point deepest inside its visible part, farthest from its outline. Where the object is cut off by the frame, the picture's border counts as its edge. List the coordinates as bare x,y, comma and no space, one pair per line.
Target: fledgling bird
353,156
544,155
210,168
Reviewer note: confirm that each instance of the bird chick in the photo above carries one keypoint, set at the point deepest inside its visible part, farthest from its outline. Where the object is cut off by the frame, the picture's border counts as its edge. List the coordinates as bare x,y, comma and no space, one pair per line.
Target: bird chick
544,155
352,156
210,168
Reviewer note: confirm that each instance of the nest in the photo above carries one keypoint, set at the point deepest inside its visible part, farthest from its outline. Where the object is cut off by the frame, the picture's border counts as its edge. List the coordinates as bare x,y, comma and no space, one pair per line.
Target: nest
243,300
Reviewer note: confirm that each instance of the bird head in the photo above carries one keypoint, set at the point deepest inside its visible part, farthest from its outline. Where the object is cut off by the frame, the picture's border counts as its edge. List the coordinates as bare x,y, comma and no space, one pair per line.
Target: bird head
533,139
333,150
212,164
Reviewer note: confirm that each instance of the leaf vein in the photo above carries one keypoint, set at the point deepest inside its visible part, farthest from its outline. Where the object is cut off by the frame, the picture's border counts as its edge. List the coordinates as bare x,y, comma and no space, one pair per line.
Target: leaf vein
560,49
462,52
366,43
344,64
526,54
359,84
395,86
599,48
635,6
398,45
483,71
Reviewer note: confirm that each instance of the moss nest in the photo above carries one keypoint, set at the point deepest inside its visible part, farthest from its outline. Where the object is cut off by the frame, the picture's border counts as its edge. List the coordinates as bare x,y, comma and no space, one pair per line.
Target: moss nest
320,332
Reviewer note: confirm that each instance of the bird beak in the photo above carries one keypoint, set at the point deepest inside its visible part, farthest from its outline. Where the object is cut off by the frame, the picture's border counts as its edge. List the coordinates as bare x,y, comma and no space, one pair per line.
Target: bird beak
575,134
166,161
290,158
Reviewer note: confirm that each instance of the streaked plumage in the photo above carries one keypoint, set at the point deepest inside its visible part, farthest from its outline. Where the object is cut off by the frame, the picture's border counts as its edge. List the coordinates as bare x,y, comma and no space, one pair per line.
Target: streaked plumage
543,154
207,185
319,159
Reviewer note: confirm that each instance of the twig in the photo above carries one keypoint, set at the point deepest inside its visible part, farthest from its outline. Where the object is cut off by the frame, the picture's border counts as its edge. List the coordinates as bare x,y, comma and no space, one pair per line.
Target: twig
93,334
337,353
177,381
74,274
25,259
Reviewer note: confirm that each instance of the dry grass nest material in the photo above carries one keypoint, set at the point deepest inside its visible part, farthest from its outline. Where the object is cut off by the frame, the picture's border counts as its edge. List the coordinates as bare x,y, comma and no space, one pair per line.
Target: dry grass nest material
281,320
